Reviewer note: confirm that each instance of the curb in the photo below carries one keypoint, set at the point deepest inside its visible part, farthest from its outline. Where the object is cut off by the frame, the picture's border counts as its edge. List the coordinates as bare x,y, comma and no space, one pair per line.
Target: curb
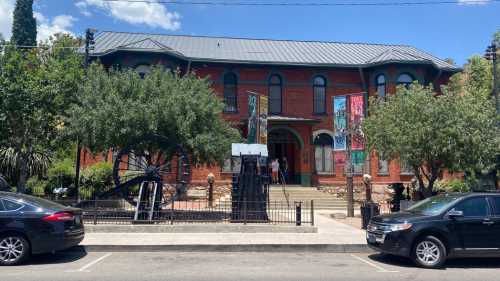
316,248
199,228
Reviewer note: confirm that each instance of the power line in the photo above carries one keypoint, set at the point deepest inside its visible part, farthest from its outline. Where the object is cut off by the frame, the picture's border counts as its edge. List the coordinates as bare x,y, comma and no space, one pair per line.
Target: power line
37,47
312,4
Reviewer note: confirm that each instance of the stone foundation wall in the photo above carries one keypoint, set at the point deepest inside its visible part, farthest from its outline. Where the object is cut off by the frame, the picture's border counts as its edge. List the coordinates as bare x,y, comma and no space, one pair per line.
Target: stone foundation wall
200,192
380,193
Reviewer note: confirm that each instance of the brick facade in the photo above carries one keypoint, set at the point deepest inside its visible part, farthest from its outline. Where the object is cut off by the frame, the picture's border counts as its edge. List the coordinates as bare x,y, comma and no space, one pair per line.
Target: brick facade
297,101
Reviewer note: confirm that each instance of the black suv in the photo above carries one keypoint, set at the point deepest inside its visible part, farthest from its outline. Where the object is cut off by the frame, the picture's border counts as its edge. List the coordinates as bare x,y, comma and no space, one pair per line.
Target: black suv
440,227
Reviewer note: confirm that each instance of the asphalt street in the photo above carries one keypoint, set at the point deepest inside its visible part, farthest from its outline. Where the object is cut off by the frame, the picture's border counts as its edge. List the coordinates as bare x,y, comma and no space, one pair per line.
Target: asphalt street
165,266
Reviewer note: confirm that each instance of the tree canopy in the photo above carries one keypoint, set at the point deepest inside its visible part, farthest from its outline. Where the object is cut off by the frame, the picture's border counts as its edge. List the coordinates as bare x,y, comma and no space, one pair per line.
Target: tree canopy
453,130
117,107
24,24
36,88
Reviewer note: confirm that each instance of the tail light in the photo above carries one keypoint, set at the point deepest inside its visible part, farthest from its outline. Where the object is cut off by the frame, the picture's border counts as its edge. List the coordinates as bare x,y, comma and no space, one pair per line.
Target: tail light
61,216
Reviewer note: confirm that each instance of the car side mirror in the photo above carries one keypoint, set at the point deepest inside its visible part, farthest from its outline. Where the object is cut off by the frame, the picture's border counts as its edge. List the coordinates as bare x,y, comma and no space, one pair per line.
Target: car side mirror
452,214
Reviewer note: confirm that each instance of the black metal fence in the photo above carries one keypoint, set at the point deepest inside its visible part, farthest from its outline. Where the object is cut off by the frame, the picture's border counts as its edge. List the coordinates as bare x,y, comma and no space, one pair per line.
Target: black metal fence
120,211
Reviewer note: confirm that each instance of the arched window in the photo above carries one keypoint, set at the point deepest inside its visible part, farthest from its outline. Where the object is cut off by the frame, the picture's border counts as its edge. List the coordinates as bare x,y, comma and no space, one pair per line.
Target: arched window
405,79
143,70
319,94
275,92
323,154
380,82
230,92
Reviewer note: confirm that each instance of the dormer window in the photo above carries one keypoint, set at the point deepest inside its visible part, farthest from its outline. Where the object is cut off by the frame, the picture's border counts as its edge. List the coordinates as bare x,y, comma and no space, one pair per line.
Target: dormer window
143,70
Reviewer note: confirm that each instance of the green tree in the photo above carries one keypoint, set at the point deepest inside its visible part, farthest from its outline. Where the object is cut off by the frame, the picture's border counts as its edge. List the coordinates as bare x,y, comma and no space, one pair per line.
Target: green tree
24,25
116,107
453,131
36,89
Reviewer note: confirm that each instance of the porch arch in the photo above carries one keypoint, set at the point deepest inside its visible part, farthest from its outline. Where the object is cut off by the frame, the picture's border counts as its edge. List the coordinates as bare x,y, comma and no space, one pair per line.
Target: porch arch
296,134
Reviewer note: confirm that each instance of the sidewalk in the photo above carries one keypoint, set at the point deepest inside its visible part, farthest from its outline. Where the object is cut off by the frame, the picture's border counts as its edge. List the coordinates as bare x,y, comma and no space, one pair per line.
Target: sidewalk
332,236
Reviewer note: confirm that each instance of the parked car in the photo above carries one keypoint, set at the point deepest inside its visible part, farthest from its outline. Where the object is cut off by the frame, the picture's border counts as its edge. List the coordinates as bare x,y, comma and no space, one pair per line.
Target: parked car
31,225
440,227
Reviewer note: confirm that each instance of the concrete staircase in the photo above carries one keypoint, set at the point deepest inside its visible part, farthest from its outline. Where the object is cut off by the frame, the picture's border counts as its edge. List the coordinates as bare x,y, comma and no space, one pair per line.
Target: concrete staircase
322,201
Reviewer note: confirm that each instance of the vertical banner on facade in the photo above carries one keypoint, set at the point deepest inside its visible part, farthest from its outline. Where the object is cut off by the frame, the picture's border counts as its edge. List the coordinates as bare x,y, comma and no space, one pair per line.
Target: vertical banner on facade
252,118
340,122
358,157
357,103
263,111
340,157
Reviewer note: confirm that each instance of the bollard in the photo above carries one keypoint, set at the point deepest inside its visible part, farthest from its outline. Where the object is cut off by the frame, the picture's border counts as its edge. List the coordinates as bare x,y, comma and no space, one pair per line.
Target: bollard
298,213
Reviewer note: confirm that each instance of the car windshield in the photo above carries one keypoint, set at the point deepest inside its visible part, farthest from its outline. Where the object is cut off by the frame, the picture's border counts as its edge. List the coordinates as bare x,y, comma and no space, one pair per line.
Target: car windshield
433,205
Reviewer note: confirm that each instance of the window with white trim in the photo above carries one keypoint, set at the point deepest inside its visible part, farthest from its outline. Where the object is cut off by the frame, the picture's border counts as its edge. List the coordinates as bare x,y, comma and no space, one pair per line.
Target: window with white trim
323,154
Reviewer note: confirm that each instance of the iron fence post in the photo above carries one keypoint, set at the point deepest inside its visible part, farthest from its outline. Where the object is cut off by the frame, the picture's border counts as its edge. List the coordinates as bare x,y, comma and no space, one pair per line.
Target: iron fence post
312,212
298,213
172,213
95,212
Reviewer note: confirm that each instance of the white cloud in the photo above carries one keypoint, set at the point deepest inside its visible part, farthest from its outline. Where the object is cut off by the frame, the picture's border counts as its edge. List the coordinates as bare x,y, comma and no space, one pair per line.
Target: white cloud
83,7
473,2
59,24
45,27
151,14
6,9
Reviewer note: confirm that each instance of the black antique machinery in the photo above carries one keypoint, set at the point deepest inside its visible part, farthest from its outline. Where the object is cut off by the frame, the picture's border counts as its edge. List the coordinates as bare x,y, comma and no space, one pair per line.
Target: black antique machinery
155,169
398,188
251,185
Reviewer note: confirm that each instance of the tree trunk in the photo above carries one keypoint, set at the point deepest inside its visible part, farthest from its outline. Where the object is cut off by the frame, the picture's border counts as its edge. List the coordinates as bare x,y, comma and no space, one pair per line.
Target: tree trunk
23,173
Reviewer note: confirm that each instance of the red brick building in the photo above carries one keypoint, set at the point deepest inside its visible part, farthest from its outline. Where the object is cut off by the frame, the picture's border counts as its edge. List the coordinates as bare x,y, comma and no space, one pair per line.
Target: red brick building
300,78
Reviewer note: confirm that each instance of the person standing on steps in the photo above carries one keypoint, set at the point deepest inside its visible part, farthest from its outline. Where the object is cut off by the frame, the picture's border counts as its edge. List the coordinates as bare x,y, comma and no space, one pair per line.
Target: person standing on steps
275,167
285,170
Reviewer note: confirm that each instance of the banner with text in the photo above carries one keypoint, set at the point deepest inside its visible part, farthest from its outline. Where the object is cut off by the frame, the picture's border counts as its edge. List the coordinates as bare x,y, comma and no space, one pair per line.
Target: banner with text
252,118
263,112
340,122
357,103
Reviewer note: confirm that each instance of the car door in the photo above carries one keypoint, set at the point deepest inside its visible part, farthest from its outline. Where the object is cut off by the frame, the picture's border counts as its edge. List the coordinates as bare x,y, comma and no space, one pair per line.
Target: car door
474,227
495,218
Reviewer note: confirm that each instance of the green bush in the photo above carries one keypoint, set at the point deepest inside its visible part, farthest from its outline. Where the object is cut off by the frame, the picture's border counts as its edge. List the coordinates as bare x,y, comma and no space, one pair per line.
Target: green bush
98,177
36,186
456,185
61,174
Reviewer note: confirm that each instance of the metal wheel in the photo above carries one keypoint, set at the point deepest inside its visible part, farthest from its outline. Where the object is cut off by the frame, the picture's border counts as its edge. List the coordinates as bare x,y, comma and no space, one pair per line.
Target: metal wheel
151,158
430,252
13,250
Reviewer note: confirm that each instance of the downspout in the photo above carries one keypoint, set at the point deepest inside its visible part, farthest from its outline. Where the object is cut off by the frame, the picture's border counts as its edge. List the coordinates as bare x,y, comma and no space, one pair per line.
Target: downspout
363,81
188,69
436,80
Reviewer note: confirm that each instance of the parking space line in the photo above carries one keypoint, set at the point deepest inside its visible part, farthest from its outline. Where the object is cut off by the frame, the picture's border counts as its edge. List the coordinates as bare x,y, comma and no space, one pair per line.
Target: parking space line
379,268
88,265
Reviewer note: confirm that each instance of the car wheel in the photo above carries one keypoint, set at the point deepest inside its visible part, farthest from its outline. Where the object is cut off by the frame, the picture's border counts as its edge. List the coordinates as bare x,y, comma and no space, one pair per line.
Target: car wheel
14,249
429,252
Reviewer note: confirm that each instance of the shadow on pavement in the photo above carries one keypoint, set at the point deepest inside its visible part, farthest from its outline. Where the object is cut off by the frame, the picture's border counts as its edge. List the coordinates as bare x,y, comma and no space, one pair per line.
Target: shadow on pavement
66,256
451,263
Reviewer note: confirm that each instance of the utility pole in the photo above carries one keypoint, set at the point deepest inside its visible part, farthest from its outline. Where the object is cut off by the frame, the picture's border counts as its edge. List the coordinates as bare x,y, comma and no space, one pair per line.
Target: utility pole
491,54
89,45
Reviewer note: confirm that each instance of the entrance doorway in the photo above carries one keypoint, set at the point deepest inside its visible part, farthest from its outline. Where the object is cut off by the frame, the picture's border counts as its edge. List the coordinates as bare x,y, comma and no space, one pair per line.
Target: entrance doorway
283,145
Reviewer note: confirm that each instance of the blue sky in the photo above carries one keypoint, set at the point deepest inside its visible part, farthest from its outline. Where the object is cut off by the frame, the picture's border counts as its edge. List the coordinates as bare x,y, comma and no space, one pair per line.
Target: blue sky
449,31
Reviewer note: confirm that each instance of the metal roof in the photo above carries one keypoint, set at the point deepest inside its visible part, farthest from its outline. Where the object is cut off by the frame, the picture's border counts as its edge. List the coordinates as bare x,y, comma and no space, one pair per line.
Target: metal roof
264,51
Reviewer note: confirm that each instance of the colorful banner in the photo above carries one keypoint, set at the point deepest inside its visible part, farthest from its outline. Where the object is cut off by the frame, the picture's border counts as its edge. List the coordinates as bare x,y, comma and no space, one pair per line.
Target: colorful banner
340,158
358,157
340,122
252,118
263,112
357,103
